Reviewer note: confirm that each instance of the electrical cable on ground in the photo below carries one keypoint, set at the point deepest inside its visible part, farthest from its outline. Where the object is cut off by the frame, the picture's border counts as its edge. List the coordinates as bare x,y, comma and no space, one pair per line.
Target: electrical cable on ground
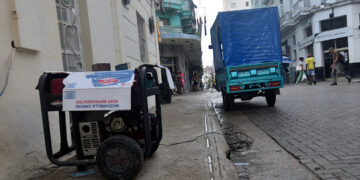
11,57
237,140
191,140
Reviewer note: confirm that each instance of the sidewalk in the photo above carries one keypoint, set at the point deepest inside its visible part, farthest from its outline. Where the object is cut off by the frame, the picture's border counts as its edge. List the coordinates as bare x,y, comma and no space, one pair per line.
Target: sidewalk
192,146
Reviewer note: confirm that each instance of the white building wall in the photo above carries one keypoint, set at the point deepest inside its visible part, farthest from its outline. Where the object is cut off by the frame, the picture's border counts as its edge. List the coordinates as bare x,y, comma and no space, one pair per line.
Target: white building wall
114,32
109,35
232,5
354,41
101,32
130,39
352,14
22,146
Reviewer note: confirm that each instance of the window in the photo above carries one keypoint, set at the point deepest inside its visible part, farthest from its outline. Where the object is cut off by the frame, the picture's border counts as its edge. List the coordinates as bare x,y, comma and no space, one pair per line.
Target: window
165,21
142,39
247,3
281,2
233,5
287,48
295,56
69,29
308,31
335,43
310,50
294,40
334,23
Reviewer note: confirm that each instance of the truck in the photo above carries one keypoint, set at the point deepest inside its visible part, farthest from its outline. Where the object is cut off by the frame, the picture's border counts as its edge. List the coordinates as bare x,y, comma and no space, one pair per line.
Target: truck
247,55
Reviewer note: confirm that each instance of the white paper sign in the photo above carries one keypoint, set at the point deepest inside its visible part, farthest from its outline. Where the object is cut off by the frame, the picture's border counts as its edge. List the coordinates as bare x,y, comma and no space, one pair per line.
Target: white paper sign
104,90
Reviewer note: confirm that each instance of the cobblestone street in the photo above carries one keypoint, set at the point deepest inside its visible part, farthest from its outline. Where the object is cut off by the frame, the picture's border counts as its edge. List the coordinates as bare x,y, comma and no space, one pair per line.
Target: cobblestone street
319,125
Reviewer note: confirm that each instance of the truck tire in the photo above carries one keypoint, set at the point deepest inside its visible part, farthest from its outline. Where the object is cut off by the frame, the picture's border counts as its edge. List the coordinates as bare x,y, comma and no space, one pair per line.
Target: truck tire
119,157
270,98
227,101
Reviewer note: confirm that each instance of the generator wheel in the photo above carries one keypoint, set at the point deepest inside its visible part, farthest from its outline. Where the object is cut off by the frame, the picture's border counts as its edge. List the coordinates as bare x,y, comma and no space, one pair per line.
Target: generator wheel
155,141
168,98
119,157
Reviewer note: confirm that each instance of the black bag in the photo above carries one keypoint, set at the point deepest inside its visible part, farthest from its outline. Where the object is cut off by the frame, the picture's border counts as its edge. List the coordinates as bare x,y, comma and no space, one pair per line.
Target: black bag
341,59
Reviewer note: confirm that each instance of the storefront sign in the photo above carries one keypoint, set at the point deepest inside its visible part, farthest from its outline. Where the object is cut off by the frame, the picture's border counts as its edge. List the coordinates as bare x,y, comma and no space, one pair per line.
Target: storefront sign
334,34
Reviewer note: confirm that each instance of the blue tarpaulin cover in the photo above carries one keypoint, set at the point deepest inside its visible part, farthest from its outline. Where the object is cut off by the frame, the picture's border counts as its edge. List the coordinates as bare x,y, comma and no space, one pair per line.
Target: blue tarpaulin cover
246,37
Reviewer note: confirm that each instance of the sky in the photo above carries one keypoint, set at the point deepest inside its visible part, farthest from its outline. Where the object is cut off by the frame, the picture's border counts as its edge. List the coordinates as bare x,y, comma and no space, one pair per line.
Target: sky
210,8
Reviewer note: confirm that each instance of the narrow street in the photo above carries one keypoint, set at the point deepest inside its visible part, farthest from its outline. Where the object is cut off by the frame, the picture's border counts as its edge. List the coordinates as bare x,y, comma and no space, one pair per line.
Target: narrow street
307,135
318,125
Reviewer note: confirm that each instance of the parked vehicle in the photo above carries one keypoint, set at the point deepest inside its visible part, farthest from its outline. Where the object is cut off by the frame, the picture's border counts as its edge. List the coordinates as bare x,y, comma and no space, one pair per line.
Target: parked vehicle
247,55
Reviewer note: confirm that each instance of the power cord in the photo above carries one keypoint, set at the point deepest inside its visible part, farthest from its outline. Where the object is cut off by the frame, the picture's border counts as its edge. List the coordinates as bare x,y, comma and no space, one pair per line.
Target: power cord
11,57
191,140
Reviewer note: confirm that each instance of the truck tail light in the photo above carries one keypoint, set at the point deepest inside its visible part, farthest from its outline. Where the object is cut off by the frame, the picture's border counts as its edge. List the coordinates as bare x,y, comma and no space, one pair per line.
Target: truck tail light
235,88
274,84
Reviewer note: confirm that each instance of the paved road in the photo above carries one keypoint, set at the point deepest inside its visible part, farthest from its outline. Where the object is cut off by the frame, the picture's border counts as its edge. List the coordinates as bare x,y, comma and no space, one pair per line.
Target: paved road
319,125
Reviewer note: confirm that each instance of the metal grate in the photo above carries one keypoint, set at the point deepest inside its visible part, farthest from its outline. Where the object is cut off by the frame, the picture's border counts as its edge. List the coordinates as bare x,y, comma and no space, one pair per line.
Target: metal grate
90,139
69,29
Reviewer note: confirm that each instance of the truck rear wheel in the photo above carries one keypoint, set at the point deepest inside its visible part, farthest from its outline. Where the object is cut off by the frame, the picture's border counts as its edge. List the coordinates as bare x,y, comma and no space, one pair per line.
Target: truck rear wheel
270,98
227,101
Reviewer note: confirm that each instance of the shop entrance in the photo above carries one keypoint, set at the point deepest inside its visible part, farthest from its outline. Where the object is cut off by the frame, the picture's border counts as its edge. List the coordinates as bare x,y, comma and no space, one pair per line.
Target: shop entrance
341,46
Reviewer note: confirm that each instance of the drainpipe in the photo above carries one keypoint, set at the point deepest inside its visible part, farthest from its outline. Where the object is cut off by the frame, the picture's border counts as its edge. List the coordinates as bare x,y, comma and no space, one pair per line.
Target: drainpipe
291,8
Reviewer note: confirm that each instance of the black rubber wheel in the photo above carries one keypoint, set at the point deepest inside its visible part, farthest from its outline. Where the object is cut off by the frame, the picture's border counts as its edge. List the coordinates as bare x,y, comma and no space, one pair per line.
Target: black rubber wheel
119,157
270,98
227,101
154,134
168,98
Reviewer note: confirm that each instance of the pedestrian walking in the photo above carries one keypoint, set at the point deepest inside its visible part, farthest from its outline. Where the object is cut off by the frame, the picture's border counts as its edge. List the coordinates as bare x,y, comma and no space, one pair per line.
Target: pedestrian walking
181,81
300,69
310,68
195,80
213,82
338,66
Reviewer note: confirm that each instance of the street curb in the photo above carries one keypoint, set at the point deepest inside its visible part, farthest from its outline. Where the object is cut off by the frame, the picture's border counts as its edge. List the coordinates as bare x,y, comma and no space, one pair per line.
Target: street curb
225,167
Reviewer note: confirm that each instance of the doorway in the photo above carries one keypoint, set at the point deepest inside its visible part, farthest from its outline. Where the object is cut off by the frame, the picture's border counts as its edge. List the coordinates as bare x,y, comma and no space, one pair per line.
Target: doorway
341,46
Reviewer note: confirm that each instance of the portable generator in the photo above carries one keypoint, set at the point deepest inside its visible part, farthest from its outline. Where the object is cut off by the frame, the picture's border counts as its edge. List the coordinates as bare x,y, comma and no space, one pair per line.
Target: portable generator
116,141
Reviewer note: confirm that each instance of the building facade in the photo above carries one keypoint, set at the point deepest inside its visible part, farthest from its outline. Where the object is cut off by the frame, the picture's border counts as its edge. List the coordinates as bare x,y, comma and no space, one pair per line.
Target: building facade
312,27
58,35
180,38
232,5
257,3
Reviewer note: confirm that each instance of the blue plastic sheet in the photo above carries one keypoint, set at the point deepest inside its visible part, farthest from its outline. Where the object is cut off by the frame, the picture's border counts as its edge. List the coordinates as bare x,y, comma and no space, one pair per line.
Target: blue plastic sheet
246,37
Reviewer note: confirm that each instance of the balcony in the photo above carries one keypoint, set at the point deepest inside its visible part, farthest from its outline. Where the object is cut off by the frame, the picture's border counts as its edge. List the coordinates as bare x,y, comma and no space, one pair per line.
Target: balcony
173,4
172,35
301,8
170,29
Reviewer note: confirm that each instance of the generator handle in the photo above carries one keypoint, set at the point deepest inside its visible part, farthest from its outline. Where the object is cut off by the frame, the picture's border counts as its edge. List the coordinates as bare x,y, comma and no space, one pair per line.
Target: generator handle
54,158
143,71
